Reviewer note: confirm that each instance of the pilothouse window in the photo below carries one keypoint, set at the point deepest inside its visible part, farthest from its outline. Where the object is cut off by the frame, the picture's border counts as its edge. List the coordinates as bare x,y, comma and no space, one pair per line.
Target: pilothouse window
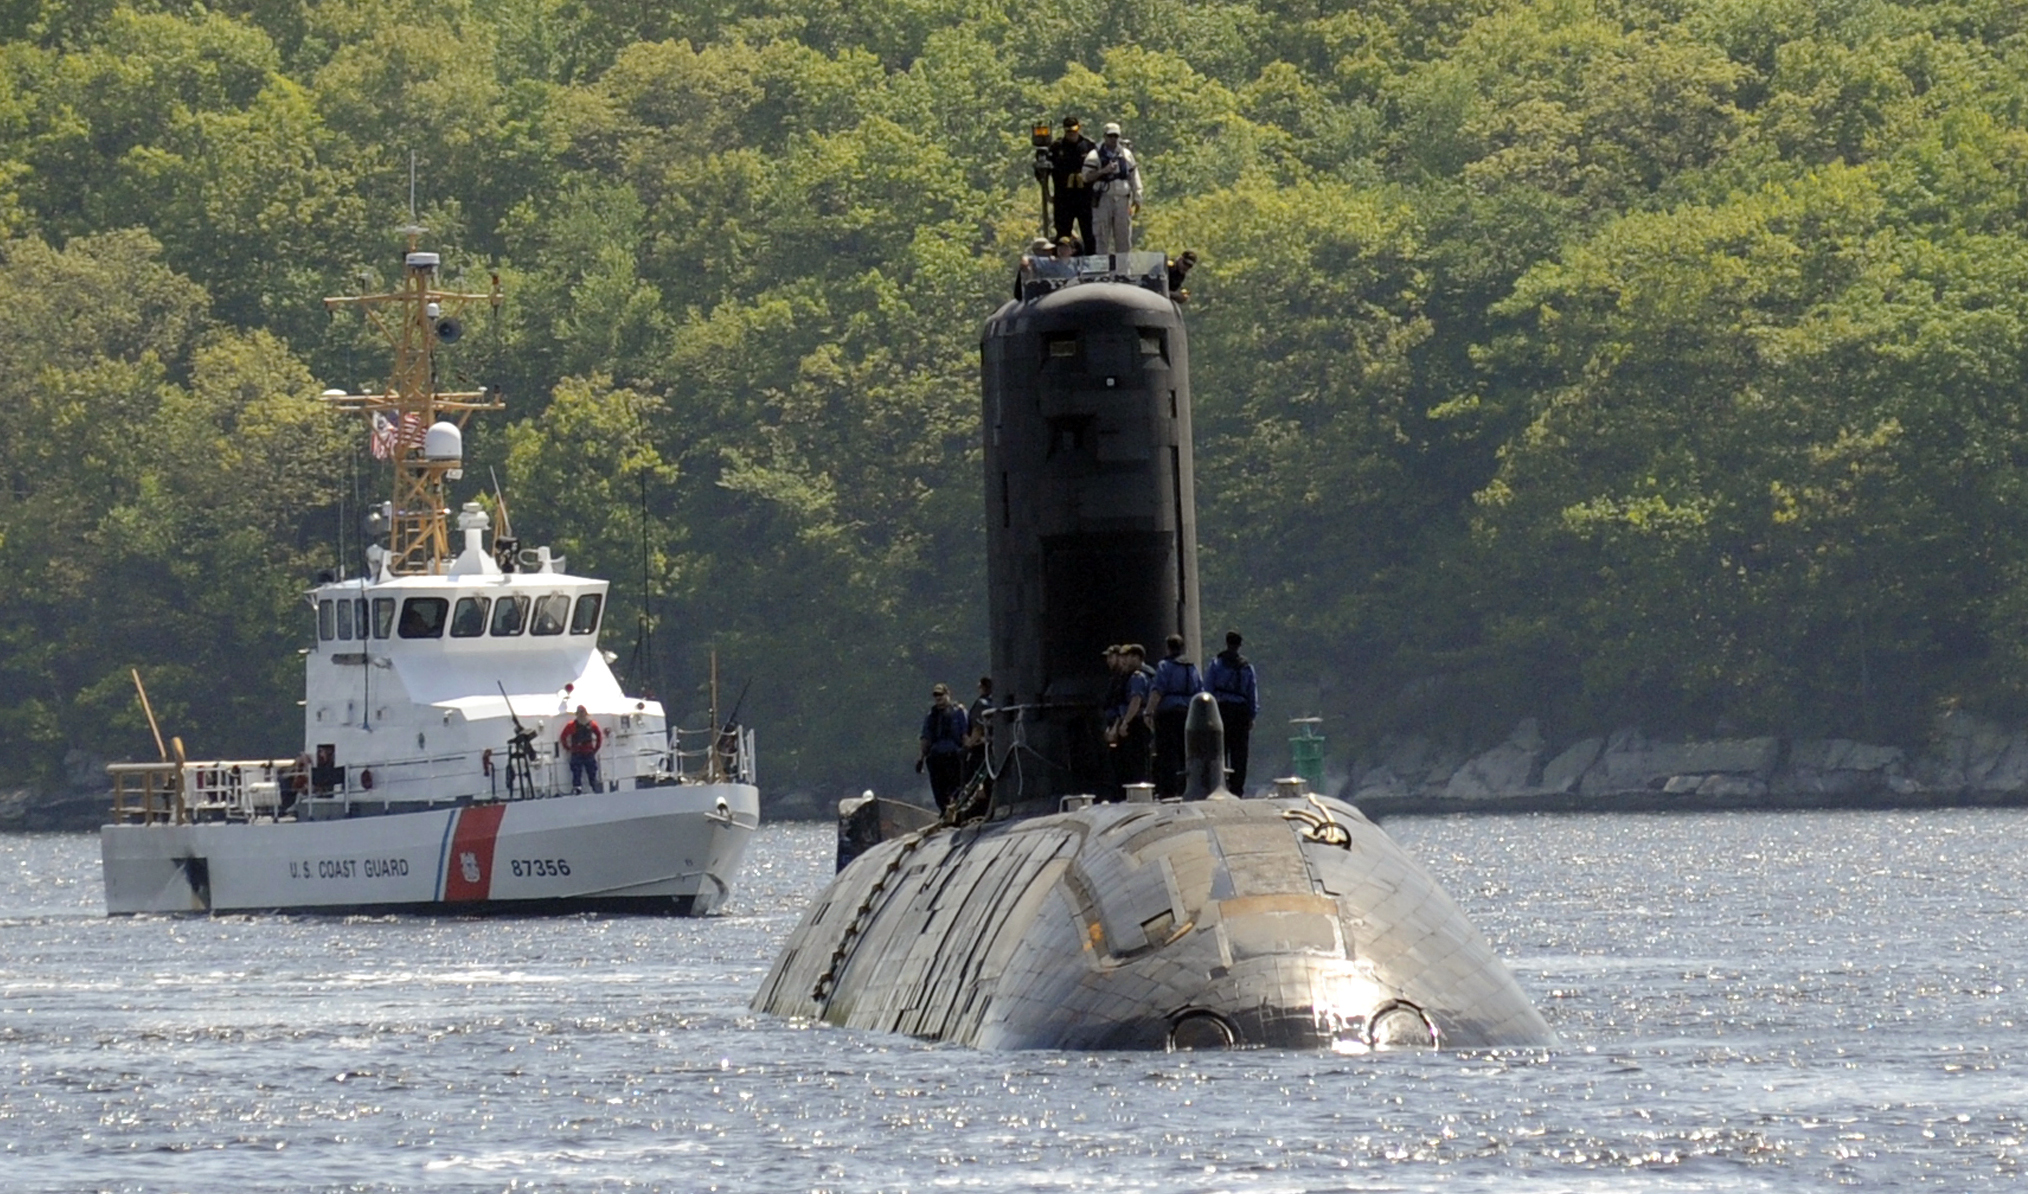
383,617
345,621
423,617
469,619
585,618
327,625
359,620
508,615
550,613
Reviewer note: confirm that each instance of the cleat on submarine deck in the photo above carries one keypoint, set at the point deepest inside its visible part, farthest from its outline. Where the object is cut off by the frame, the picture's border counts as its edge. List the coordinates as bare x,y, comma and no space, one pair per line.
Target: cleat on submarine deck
1218,923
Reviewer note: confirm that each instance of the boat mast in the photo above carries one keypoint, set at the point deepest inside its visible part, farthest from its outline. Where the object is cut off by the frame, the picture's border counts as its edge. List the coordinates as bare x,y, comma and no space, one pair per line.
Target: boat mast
415,319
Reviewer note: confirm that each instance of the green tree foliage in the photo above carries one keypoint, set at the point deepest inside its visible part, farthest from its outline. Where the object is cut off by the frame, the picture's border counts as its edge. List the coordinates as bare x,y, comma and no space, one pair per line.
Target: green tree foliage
1596,359
162,481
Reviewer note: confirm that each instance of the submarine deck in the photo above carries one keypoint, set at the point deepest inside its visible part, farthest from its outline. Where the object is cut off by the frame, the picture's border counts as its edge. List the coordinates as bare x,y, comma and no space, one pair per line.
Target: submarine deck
1259,922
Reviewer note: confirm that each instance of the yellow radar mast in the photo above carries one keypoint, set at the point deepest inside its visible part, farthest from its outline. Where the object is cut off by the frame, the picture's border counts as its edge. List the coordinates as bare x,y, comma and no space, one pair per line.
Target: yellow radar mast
415,319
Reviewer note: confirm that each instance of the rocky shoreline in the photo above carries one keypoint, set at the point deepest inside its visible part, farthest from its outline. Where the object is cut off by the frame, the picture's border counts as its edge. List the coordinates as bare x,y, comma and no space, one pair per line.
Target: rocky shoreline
25,810
1968,761
81,803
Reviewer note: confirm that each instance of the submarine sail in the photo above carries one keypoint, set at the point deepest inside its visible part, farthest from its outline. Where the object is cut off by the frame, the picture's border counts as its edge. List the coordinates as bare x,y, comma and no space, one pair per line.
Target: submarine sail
1091,529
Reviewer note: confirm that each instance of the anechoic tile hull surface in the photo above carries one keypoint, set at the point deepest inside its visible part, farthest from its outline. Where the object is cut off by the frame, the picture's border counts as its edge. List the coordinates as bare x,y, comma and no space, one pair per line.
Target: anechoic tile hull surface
1106,927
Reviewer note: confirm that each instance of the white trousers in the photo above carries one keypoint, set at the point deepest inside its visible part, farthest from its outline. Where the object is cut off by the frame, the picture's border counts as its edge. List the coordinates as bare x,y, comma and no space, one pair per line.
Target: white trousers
1112,222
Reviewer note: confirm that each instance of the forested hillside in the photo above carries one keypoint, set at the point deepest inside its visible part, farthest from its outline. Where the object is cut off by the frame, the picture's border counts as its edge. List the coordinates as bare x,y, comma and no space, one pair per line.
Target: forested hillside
1651,361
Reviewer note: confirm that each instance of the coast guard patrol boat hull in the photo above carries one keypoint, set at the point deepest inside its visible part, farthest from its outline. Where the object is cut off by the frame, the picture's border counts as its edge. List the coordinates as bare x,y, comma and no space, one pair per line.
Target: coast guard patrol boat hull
672,849
433,775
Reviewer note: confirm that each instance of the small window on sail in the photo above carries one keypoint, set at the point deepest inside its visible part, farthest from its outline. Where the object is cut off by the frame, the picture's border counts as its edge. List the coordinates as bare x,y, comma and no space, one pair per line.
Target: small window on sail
1069,434
550,614
1154,343
1061,344
327,625
508,615
469,619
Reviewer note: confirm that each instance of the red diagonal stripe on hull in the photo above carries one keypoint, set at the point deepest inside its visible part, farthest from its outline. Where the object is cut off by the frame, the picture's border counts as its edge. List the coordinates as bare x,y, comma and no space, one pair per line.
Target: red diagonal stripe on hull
469,873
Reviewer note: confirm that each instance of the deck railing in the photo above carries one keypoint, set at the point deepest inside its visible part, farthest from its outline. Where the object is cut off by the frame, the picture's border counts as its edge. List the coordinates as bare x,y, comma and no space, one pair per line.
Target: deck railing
179,792
702,757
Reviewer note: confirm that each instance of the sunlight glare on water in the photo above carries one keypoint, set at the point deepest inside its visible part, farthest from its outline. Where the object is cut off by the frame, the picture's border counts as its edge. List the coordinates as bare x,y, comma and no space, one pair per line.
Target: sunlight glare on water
1746,1002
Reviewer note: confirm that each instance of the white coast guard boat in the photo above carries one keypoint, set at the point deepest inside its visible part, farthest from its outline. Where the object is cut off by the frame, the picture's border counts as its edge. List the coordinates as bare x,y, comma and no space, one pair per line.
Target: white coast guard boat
432,777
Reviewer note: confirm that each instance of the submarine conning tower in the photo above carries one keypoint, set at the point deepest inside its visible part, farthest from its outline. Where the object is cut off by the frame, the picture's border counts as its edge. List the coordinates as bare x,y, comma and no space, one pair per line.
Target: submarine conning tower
1091,521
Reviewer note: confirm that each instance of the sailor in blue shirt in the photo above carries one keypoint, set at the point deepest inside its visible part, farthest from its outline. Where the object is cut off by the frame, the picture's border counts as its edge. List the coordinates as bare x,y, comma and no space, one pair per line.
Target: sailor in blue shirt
1116,689
943,746
1127,730
1231,679
1176,681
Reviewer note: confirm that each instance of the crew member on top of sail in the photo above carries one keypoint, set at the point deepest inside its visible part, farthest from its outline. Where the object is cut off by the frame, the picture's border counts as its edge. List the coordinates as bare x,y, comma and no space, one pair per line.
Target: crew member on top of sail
1115,180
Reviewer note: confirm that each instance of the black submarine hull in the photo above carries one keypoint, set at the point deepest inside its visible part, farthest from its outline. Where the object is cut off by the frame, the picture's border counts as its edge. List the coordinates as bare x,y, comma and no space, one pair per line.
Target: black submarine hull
1218,923
1050,922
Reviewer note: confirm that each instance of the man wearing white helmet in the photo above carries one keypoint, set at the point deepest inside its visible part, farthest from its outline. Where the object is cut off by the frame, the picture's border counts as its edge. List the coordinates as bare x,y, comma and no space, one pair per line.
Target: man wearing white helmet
1115,180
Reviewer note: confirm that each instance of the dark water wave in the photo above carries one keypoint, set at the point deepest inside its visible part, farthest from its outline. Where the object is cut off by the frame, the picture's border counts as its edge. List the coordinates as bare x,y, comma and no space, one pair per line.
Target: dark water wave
1746,1002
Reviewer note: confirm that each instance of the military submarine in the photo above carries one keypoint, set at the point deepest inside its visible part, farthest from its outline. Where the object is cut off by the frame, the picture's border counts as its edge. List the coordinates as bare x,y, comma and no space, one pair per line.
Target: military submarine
1045,911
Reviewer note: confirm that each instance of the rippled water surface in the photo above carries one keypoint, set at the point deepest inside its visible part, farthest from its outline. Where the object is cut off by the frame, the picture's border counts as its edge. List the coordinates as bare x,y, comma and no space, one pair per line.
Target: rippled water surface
1746,1002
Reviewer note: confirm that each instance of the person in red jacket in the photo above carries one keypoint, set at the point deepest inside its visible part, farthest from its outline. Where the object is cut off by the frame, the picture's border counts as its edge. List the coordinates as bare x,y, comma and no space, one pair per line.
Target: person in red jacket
581,739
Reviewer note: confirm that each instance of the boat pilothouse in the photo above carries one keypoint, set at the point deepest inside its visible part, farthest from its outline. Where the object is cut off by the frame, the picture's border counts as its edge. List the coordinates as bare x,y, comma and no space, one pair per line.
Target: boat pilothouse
418,684
434,774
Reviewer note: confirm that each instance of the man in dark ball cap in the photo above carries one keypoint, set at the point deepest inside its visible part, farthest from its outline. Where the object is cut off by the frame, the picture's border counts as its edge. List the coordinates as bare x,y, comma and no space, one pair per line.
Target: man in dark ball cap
943,746
1067,189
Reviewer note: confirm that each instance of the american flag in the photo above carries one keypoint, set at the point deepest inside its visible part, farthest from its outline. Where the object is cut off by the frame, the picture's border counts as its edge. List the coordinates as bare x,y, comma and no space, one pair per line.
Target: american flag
385,435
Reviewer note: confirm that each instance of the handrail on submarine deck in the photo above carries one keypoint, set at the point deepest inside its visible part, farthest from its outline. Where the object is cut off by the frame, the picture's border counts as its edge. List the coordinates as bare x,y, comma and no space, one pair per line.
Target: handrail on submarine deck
1043,275
960,810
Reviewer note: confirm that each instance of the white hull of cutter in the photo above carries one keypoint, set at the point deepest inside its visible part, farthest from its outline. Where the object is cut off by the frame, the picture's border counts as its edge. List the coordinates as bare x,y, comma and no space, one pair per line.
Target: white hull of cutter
671,849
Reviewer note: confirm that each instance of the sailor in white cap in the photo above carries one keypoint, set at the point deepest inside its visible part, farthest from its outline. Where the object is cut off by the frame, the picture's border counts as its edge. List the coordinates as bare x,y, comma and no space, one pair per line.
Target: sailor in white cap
1115,180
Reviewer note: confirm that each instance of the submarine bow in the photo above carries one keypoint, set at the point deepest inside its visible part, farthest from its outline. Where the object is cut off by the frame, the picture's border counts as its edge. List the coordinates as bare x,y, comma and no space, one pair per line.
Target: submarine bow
1218,923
